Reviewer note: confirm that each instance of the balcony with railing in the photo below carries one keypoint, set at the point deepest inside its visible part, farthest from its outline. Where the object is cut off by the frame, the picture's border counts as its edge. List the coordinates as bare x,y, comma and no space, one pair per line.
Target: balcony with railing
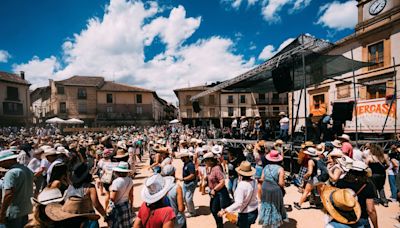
124,112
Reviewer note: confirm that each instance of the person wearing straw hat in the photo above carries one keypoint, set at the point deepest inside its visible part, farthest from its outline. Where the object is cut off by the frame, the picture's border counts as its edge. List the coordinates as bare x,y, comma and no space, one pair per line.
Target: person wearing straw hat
34,166
272,210
246,203
155,211
175,197
189,180
337,169
17,189
342,207
347,148
121,198
356,179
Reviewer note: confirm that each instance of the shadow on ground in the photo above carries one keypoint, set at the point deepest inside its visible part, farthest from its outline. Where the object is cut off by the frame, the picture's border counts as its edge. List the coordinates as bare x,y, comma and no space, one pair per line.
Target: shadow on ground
291,224
203,210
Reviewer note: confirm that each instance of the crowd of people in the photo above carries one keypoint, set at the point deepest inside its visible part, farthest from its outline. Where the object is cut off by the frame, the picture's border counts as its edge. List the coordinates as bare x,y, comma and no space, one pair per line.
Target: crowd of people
58,178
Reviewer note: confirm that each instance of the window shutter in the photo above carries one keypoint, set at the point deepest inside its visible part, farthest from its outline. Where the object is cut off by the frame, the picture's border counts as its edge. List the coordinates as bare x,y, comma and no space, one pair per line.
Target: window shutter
389,88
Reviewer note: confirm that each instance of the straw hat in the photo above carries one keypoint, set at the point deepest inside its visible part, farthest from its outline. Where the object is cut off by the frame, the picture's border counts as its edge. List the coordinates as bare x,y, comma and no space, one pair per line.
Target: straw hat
274,156
337,143
122,167
121,154
278,142
156,187
311,151
344,137
48,196
345,162
341,205
282,114
336,153
208,155
182,153
216,149
121,145
359,166
245,169
309,144
73,207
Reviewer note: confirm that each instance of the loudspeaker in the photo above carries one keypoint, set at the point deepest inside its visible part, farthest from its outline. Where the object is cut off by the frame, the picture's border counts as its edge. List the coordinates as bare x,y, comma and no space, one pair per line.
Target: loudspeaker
342,111
282,79
196,106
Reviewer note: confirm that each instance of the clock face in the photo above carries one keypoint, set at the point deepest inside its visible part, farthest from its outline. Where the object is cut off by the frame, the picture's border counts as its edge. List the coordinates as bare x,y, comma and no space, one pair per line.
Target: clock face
377,6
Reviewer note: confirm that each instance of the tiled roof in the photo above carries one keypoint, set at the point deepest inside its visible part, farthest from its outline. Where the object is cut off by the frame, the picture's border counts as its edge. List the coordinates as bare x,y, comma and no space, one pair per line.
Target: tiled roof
11,77
112,86
83,81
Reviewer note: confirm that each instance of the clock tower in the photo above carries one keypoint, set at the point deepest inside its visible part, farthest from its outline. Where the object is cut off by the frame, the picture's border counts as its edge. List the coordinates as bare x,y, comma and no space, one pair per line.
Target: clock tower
375,13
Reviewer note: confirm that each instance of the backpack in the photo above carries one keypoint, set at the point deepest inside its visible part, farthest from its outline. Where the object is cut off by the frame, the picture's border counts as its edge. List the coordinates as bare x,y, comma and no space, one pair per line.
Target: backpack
322,171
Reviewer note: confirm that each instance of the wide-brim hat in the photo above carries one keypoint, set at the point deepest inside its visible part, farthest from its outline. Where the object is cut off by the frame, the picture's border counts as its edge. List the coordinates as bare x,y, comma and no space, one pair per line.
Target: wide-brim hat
208,155
344,137
7,155
48,196
311,151
336,153
121,154
121,145
274,156
345,162
341,205
182,153
122,167
359,166
73,207
243,117
245,169
337,143
156,187
308,144
282,114
217,149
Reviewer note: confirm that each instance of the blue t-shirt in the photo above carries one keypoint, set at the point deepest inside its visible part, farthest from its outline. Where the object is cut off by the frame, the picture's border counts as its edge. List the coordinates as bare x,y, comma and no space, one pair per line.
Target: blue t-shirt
188,169
20,179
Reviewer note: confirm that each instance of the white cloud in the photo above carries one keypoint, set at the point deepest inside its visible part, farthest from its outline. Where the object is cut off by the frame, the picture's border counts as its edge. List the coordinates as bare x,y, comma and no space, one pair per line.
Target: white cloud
38,71
300,4
271,9
235,4
4,56
338,16
270,50
113,46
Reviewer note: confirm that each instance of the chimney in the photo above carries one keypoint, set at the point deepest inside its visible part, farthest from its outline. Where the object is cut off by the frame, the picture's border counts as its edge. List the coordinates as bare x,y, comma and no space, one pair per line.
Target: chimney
22,73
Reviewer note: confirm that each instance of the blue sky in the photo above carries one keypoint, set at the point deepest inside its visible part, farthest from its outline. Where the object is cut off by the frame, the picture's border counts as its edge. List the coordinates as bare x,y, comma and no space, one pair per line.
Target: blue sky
159,45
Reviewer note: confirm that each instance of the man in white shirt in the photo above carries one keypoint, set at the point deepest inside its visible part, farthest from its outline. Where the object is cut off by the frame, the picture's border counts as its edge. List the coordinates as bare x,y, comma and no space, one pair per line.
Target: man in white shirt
284,126
35,165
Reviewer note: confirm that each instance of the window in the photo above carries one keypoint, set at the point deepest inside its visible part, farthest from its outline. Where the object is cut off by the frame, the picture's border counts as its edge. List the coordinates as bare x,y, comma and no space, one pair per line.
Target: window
376,91
109,98
275,97
262,112
138,98
230,99
375,55
109,109
82,93
60,90
242,111
82,108
242,99
63,107
261,98
211,100
230,111
189,113
275,111
212,112
318,100
11,108
343,91
139,110
12,93
187,101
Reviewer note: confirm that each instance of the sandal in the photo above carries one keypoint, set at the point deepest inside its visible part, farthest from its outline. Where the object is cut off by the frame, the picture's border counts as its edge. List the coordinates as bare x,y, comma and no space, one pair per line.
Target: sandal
297,206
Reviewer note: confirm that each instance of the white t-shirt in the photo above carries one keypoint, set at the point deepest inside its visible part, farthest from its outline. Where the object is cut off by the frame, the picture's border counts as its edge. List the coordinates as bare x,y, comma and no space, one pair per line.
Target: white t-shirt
34,165
284,122
122,186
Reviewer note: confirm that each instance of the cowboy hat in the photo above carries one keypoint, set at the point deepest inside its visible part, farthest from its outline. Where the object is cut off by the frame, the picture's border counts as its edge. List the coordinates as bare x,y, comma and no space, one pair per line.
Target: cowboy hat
208,155
38,151
337,143
122,167
216,149
345,162
156,187
278,142
282,114
344,137
359,166
182,153
73,207
336,153
121,154
121,145
168,170
311,151
274,156
7,155
309,144
48,196
341,205
245,169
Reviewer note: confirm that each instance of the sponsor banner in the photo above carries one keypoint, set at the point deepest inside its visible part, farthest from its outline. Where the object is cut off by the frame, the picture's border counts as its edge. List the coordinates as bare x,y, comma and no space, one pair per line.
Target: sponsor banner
371,116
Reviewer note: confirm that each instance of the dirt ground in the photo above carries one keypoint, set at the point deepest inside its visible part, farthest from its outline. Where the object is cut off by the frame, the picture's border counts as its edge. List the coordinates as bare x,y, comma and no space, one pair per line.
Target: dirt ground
309,217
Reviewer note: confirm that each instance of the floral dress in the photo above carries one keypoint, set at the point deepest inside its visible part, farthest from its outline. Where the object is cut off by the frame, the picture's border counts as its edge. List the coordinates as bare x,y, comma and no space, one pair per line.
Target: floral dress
272,211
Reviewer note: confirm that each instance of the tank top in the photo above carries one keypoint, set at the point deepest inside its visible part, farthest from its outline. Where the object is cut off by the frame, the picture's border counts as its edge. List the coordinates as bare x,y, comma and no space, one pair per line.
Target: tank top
173,201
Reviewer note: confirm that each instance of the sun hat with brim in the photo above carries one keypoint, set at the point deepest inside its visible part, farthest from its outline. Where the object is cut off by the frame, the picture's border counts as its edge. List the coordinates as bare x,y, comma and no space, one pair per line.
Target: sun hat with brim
336,153
156,187
345,162
168,170
208,155
344,137
38,151
121,154
73,207
359,166
48,196
80,173
274,156
309,144
245,169
7,155
282,114
217,149
311,151
182,153
123,167
337,143
341,205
